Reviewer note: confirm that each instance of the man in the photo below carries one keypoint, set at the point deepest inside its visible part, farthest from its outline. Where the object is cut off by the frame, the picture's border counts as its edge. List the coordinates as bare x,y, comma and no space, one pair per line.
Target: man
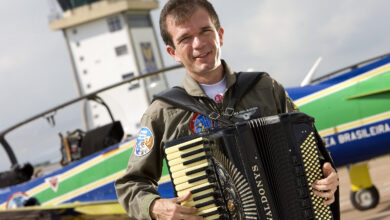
193,37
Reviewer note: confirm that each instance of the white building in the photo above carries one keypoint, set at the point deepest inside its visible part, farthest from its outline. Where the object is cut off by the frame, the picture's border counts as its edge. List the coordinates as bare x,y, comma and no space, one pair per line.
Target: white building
110,41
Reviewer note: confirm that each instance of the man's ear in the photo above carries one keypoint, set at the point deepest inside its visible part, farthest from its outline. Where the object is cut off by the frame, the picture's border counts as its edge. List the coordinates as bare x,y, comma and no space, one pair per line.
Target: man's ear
171,51
220,35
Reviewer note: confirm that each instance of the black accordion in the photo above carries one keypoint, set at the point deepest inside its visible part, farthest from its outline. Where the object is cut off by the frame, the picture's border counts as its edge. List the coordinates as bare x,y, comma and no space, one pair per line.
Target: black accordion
257,169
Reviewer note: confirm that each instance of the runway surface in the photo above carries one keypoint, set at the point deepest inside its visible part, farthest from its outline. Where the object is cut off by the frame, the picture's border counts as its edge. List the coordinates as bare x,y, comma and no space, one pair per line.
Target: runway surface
380,176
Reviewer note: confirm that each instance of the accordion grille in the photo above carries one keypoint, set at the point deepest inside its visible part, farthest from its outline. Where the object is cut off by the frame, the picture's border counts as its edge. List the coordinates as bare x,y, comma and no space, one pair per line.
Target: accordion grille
313,172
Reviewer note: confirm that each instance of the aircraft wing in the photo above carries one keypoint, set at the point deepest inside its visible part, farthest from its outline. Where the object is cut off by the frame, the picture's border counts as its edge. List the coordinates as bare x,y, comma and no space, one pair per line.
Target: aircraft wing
75,210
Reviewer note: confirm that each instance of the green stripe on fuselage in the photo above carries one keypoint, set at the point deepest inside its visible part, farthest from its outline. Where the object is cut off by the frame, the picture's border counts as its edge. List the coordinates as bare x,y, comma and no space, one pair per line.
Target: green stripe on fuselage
335,109
101,170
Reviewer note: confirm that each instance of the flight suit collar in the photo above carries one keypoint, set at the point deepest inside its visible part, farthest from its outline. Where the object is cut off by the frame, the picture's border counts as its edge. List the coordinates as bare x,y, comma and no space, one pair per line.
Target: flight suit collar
193,88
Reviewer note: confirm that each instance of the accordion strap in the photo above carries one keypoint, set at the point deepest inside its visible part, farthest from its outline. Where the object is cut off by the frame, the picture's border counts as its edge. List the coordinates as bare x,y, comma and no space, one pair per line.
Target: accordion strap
245,81
178,97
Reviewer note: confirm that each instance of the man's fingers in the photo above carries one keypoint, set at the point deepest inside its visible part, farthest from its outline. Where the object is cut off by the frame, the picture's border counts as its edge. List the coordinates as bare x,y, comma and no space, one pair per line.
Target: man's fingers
325,187
329,201
186,210
324,194
183,209
171,209
327,169
331,177
183,198
328,195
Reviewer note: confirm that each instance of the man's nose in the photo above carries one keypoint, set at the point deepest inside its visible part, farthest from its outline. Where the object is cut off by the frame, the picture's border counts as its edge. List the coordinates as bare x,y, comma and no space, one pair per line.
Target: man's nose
197,42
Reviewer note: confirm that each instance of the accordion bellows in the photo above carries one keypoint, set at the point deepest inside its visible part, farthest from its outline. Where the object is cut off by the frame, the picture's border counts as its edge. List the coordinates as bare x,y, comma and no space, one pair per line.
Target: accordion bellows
258,169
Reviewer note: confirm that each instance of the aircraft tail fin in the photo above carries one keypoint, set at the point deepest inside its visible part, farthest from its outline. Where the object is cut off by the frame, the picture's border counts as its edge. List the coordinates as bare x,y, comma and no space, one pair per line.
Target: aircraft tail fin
309,76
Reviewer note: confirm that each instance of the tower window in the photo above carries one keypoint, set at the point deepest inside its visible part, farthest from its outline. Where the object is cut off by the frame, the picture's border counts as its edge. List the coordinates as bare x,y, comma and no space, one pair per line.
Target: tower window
114,24
133,85
121,50
127,76
139,20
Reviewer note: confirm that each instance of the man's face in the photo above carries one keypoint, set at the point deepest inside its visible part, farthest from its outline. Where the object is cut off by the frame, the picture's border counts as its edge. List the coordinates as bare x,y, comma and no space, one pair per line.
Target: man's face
197,43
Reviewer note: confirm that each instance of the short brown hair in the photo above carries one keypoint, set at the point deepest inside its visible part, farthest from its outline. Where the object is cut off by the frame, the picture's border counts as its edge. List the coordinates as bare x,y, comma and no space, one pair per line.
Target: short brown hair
182,10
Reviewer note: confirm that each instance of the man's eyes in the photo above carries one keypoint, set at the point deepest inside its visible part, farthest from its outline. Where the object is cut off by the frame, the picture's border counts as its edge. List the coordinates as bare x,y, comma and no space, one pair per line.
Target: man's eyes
184,39
188,38
207,30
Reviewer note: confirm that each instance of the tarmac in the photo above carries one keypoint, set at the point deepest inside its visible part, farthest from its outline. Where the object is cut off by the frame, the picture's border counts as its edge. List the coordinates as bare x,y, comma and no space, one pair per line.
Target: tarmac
380,177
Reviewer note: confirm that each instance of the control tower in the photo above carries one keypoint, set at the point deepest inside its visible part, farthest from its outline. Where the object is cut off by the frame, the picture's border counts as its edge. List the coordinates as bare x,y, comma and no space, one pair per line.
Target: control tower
110,41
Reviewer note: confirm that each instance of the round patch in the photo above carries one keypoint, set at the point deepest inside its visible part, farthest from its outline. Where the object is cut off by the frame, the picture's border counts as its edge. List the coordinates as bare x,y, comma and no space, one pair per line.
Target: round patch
16,200
200,123
218,98
145,141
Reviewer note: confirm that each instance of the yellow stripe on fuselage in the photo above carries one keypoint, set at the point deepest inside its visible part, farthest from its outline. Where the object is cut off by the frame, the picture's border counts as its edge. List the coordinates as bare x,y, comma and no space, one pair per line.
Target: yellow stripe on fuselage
355,124
342,85
78,169
81,168
85,189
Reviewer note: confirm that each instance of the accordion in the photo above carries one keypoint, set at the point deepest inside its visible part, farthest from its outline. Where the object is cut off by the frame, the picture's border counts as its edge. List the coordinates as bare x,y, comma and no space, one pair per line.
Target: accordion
257,169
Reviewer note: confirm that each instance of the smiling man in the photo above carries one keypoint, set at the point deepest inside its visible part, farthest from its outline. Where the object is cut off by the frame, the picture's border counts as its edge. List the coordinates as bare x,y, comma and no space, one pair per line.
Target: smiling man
196,43
194,37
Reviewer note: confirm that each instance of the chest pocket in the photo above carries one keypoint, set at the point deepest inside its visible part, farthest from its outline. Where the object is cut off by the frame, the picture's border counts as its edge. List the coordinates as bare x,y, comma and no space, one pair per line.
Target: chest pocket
262,100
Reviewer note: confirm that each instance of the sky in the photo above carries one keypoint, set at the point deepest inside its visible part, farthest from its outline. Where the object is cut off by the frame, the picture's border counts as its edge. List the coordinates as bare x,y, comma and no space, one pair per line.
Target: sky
283,38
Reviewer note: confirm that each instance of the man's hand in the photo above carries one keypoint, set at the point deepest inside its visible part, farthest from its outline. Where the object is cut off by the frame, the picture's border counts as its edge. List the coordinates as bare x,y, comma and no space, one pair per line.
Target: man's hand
326,187
171,209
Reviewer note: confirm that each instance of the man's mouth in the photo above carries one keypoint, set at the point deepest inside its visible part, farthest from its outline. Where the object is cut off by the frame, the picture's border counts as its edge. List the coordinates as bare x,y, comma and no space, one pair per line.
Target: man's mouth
201,55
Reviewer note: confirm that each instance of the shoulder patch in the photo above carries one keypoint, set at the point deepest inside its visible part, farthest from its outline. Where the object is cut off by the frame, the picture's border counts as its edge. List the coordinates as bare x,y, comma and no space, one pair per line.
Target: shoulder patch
145,142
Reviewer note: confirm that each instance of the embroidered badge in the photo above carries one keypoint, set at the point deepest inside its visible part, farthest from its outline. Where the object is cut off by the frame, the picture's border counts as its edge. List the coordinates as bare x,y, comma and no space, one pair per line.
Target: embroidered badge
247,113
218,98
200,123
16,200
145,141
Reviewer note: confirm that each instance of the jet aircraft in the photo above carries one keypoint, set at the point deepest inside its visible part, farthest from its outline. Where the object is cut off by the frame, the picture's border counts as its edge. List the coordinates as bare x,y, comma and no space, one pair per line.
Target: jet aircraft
352,112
